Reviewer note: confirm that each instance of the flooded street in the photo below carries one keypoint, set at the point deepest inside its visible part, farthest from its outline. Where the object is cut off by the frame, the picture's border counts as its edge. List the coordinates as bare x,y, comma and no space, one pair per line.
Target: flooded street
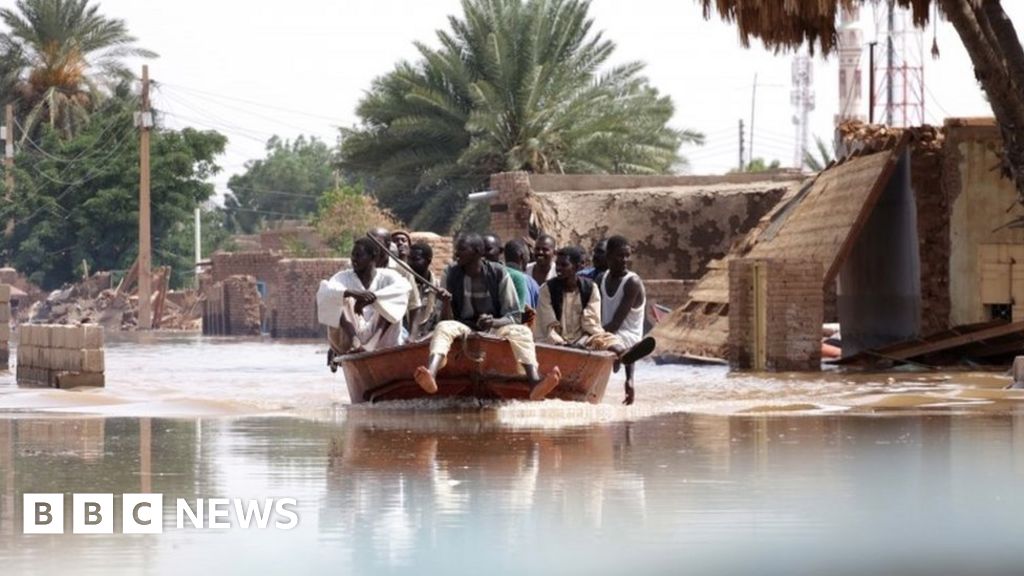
900,473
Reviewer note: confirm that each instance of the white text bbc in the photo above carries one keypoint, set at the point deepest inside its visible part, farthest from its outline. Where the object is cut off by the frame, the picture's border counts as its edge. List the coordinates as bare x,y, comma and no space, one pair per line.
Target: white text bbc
144,513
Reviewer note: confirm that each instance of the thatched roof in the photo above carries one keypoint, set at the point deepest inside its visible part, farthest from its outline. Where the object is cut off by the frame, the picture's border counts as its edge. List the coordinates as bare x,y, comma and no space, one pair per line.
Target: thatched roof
784,24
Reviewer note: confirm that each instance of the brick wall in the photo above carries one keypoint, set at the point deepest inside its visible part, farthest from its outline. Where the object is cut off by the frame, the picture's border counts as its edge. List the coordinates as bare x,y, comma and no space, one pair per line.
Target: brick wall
261,264
294,306
510,214
793,314
233,308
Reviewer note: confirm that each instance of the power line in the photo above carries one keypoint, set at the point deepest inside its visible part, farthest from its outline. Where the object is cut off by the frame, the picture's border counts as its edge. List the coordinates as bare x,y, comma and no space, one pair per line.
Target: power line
254,103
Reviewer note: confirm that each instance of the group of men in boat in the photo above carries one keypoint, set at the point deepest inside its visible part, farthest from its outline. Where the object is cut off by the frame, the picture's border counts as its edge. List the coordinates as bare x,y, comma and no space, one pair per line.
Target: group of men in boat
390,297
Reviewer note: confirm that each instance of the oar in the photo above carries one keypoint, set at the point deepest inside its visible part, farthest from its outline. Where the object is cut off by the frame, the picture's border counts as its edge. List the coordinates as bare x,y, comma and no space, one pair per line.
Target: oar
404,266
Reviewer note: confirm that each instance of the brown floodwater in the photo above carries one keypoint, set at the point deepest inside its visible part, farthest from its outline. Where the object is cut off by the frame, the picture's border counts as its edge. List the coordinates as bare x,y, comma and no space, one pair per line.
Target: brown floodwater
709,473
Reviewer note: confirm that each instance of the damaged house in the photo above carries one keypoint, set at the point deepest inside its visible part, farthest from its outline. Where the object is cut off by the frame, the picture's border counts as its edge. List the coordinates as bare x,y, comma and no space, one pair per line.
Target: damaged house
910,232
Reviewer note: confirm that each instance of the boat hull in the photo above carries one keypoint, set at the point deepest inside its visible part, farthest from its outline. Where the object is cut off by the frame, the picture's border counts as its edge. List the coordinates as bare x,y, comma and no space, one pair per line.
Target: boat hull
479,367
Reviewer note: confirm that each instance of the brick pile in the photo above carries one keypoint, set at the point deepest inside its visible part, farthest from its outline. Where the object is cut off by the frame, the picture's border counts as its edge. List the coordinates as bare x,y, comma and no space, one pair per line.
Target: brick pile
58,356
294,306
793,314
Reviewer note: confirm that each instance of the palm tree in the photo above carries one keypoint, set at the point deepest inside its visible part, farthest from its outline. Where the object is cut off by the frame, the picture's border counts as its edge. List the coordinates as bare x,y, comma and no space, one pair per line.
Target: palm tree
56,57
514,85
822,160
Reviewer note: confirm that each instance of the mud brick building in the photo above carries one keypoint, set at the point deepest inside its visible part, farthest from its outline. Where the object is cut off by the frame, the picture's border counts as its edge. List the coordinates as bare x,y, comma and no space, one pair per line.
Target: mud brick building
676,225
910,228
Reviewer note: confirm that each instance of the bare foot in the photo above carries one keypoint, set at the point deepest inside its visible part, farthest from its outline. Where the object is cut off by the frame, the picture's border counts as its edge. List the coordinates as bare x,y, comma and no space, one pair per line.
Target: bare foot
541,389
425,379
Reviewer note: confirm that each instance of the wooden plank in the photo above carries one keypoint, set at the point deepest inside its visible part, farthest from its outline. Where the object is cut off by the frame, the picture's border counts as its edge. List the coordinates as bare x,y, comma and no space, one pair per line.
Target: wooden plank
954,341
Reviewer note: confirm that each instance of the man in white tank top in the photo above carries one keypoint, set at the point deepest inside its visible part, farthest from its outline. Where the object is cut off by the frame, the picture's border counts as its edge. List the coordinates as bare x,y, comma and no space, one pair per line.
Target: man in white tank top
622,307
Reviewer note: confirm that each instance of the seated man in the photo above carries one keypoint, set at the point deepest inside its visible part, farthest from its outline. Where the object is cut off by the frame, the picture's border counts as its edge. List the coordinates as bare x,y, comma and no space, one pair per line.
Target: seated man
423,319
516,259
570,312
362,307
386,259
478,295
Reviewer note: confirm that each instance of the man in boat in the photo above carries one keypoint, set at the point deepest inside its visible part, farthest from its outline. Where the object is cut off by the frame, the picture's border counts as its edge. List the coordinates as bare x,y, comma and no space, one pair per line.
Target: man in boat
599,261
403,243
386,259
423,319
363,307
478,295
570,313
492,253
622,303
516,258
542,268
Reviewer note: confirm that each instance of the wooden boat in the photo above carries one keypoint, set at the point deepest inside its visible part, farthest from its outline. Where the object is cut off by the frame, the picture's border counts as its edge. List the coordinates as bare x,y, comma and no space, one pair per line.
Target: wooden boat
479,366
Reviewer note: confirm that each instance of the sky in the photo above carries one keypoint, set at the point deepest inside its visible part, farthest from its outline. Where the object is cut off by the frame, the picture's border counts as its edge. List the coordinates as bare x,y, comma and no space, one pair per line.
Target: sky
257,69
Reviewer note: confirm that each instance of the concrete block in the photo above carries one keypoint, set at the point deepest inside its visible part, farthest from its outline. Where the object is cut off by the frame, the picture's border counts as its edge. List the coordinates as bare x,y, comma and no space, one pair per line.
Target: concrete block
5,293
26,355
76,379
5,332
56,337
5,312
92,361
74,337
92,337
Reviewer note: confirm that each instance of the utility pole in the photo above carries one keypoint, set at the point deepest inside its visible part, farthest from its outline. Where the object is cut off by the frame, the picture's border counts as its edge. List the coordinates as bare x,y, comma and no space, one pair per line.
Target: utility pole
199,245
753,106
890,67
741,145
8,135
144,121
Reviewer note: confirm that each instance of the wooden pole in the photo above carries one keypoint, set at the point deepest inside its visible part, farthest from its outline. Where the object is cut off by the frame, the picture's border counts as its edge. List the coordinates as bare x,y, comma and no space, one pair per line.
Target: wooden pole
760,317
145,257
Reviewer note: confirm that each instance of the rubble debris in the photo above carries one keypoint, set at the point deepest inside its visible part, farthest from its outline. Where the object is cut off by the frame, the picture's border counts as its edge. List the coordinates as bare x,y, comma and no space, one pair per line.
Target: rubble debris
96,301
995,342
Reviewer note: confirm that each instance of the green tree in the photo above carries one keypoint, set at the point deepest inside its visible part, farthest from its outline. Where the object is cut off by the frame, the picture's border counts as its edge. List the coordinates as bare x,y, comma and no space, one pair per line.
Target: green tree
514,85
983,26
285,185
346,213
758,165
76,198
56,58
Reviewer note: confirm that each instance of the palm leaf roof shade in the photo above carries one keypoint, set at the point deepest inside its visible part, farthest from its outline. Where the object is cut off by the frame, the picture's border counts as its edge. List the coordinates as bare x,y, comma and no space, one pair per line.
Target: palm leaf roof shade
785,24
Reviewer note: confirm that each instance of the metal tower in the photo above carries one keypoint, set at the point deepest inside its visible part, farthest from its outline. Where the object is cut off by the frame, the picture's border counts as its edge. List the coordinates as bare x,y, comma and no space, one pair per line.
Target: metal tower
851,48
899,68
802,98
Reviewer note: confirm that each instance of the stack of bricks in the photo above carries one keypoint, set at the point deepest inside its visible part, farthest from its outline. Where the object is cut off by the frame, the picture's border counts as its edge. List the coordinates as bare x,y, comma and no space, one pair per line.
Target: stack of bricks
5,325
58,356
510,212
294,307
791,295
233,308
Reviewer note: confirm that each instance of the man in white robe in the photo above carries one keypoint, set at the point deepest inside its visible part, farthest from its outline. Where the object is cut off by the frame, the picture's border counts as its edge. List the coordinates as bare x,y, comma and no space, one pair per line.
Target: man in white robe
363,307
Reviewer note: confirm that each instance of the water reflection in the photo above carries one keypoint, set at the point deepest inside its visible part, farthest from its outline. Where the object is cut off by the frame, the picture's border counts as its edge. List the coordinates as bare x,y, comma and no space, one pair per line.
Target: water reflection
386,491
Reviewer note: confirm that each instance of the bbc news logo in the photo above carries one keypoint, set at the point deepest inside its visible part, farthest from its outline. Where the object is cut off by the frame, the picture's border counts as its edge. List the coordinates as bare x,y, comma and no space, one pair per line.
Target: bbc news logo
144,513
